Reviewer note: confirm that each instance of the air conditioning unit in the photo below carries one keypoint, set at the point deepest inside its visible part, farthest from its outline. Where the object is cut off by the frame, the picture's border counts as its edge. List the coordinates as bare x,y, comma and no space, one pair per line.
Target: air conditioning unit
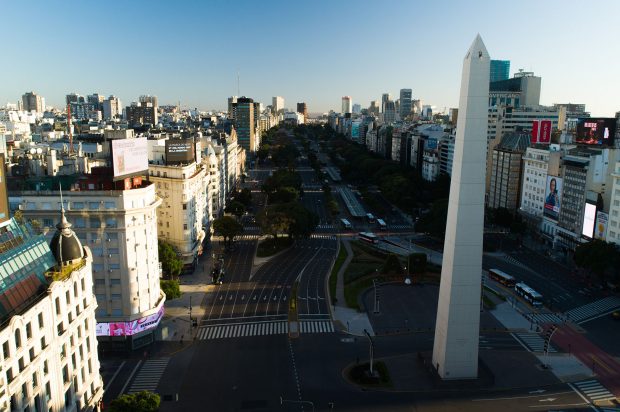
110,255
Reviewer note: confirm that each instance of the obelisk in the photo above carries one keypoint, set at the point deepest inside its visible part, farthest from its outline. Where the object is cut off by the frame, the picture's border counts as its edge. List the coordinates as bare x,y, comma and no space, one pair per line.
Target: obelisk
455,350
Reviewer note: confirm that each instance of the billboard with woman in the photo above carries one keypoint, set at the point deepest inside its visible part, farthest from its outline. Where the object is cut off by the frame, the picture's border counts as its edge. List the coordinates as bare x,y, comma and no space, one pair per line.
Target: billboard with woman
553,196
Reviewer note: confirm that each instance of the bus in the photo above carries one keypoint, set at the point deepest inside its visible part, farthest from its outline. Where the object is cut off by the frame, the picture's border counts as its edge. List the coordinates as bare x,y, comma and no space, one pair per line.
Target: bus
382,225
346,224
530,295
370,217
502,277
368,237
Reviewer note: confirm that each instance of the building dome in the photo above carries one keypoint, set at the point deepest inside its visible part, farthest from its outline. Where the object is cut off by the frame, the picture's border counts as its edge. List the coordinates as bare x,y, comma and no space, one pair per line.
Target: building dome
65,245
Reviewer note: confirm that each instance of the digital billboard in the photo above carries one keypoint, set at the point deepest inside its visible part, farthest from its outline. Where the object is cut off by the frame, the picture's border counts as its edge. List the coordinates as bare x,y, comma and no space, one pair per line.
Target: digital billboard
129,156
553,196
179,151
130,328
4,199
589,217
596,131
600,230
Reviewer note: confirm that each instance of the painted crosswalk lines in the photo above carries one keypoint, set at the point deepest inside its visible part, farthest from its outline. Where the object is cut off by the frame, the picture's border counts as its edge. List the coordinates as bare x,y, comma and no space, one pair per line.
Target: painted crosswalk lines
593,390
319,236
542,318
149,376
239,330
317,326
594,309
532,341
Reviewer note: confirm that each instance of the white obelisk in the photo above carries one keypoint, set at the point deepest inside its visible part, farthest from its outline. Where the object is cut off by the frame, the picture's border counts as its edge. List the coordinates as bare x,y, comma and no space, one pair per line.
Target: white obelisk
455,351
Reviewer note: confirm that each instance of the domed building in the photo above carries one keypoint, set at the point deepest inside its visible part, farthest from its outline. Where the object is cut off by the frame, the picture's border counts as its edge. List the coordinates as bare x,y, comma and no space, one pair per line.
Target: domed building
65,245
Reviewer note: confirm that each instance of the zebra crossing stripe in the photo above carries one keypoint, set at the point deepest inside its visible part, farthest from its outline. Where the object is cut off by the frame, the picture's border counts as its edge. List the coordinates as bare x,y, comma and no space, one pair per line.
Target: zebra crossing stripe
593,309
149,376
594,390
261,329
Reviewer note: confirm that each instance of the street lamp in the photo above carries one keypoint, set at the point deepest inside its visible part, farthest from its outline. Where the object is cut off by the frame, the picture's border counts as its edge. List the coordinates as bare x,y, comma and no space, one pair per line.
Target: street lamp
372,352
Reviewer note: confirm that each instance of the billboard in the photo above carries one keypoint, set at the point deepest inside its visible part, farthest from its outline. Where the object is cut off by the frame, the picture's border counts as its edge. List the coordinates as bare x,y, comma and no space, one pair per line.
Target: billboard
179,151
553,195
596,131
541,132
130,328
4,199
589,217
129,156
600,230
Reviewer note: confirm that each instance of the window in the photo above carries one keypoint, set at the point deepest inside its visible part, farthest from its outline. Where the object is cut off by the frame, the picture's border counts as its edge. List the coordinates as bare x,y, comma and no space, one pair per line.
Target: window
113,236
43,343
35,380
94,222
21,364
5,350
77,205
100,297
18,339
48,222
68,297
83,284
31,353
28,330
115,281
117,312
110,222
99,282
40,320
113,251
93,205
114,266
115,296
58,306
110,205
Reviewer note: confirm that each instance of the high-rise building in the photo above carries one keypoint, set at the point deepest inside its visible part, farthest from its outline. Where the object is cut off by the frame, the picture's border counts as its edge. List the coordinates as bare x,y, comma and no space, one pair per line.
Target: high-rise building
500,70
147,98
303,109
405,103
246,133
74,98
457,330
389,111
47,312
384,98
96,100
112,108
120,226
232,106
374,108
522,90
277,104
357,108
505,180
347,104
33,102
143,112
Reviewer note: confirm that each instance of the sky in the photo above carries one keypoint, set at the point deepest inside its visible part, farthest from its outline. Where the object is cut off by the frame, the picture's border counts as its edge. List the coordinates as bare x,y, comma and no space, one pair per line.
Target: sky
312,51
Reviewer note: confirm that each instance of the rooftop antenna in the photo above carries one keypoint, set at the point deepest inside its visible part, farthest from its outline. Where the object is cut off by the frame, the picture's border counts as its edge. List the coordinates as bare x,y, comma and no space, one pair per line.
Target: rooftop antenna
69,127
62,205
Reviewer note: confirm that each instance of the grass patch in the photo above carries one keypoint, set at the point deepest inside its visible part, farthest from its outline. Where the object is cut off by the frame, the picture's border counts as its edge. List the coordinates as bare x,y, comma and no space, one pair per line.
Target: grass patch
358,374
496,293
352,290
333,278
488,303
271,246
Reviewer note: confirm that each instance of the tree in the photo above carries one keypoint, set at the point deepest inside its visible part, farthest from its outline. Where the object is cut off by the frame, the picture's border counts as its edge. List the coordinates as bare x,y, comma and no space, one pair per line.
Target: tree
599,257
144,401
417,263
245,197
171,265
392,265
435,221
303,221
170,288
236,208
274,221
228,228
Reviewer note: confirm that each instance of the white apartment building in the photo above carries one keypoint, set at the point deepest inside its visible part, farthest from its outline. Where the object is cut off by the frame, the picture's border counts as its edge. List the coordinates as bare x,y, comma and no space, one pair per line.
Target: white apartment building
120,227
49,351
613,225
430,165
183,214
535,165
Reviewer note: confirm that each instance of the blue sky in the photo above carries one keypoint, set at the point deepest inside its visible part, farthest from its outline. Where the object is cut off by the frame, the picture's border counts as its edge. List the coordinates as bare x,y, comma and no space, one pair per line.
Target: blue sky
313,51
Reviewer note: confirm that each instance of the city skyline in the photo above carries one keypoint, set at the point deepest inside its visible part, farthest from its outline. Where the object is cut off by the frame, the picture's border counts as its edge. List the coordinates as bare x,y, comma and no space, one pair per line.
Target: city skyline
297,52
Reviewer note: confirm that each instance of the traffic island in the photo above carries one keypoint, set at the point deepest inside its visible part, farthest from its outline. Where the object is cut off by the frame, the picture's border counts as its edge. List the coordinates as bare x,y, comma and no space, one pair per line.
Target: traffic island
360,374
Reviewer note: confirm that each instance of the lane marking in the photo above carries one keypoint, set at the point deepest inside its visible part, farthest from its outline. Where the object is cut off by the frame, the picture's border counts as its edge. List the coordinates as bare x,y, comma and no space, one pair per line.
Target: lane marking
105,388
130,376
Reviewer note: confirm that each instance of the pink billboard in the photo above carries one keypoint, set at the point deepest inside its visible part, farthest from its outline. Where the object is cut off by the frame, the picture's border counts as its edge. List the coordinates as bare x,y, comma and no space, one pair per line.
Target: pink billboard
130,328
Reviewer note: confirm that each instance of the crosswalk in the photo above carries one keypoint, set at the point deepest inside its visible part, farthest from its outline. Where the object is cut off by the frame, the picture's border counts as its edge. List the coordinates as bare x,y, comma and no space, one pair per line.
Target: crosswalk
246,237
326,226
251,228
532,341
515,262
149,376
593,390
542,318
603,306
400,227
239,330
320,236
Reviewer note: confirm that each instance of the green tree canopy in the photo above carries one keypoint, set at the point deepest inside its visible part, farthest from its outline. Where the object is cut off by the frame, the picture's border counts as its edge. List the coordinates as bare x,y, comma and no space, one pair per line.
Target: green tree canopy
273,221
171,288
144,401
392,265
228,228
435,221
244,196
236,208
599,257
171,265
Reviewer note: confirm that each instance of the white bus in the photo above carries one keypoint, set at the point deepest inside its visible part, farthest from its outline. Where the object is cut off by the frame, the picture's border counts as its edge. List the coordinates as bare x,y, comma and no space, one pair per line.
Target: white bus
530,295
370,217
381,223
346,224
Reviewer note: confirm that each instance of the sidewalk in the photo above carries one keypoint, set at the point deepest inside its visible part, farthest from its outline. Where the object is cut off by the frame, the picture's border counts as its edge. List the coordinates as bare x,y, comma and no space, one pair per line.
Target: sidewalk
347,319
176,326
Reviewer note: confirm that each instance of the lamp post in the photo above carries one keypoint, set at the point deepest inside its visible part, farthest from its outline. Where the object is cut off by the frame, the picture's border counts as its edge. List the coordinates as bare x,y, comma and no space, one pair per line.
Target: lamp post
372,352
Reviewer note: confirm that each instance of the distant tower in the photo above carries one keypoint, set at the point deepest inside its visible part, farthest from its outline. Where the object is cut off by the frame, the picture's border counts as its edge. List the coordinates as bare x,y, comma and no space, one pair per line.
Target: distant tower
347,104
455,351
500,70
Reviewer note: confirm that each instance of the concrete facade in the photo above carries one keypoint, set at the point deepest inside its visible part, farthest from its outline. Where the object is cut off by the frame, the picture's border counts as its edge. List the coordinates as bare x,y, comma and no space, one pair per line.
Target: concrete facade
455,350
